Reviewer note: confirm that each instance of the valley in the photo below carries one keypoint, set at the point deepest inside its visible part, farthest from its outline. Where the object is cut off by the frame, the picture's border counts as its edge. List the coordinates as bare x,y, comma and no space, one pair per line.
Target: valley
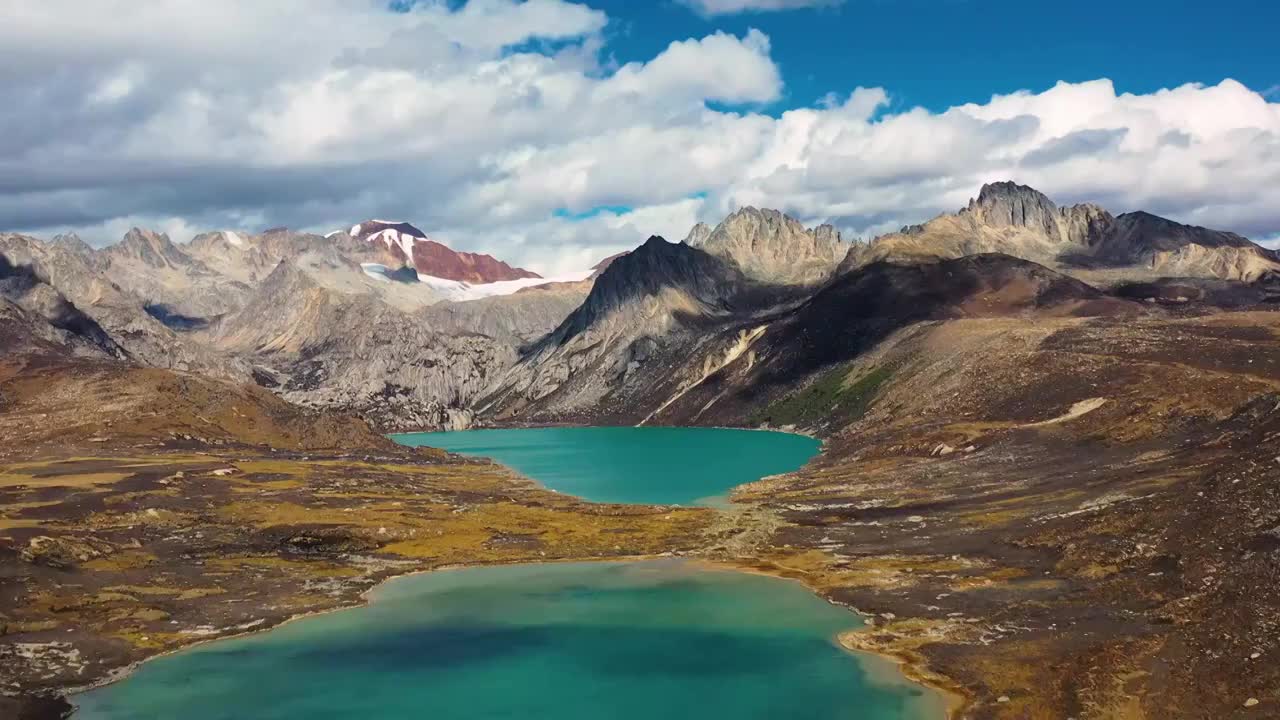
1048,476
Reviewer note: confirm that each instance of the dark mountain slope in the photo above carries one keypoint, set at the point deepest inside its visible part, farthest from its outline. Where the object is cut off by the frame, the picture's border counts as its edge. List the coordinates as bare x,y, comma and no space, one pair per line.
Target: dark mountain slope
737,364
859,309
648,309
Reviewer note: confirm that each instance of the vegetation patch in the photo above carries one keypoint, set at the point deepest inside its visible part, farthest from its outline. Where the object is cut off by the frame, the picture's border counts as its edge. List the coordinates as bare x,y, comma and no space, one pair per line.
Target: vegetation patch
830,397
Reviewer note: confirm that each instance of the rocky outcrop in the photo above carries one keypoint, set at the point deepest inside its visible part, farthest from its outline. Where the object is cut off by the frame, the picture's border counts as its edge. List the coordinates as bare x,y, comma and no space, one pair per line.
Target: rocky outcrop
698,235
325,349
1020,221
517,320
35,316
166,277
73,243
149,248
770,247
248,258
121,314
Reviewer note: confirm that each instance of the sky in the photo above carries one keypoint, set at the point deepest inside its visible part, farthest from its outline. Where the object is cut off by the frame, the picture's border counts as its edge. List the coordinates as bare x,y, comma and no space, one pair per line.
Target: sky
553,133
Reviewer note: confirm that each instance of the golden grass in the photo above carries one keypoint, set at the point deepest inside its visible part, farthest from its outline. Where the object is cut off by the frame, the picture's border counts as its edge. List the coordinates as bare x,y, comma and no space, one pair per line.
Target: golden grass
72,480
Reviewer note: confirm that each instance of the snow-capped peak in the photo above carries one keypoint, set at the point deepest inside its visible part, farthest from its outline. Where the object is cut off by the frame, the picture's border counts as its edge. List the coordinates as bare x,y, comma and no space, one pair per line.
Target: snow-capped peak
392,237
429,257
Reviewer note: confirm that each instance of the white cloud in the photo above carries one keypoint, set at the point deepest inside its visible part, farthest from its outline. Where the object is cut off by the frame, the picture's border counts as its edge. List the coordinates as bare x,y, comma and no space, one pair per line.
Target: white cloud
1209,155
727,7
718,67
482,124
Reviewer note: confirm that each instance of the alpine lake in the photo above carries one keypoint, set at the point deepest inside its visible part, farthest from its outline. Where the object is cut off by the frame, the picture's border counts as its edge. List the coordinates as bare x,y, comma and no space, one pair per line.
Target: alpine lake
647,639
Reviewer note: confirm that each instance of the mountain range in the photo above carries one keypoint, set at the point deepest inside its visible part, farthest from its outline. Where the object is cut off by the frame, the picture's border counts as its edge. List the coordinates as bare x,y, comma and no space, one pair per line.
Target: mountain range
382,321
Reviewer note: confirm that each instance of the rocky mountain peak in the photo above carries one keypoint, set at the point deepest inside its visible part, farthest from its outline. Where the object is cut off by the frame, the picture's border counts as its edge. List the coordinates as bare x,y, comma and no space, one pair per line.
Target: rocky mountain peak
409,245
151,248
1020,221
220,241
369,228
656,267
827,235
772,247
72,242
750,218
1008,204
698,235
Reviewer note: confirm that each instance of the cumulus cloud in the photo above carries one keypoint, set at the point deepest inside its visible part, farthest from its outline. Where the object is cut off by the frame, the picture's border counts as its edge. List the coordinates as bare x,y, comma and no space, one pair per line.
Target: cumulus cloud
1203,154
500,127
712,8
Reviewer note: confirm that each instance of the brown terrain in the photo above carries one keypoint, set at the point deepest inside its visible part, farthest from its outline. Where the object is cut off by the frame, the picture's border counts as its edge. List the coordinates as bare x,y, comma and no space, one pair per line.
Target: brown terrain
142,510
1072,517
1052,485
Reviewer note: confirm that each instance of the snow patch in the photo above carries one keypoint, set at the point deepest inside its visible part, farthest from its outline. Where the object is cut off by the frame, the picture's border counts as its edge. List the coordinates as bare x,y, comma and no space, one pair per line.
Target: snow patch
233,238
355,230
457,290
392,238
376,271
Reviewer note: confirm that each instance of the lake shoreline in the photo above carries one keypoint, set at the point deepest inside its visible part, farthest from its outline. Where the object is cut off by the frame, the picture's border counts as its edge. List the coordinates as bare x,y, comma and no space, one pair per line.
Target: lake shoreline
912,667
660,465
907,669
264,625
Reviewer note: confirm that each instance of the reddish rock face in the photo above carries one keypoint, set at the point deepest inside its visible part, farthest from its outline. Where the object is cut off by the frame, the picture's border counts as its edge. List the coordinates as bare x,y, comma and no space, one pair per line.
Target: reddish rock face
408,244
432,258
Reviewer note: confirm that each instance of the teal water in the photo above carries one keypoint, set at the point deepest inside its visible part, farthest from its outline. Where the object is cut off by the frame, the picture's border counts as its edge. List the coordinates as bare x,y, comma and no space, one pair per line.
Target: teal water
646,640
676,466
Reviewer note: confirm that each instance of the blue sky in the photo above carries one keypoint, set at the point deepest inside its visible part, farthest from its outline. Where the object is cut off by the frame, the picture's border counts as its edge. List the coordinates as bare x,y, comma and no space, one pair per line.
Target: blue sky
552,133
939,53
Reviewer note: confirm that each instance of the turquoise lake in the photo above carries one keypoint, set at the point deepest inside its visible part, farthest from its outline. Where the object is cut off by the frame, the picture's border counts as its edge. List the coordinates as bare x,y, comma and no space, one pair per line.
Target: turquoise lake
660,640
675,466
647,640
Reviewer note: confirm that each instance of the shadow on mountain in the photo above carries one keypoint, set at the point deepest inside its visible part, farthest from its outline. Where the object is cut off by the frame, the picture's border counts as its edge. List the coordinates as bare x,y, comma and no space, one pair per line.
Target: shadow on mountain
858,310
26,289
175,320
